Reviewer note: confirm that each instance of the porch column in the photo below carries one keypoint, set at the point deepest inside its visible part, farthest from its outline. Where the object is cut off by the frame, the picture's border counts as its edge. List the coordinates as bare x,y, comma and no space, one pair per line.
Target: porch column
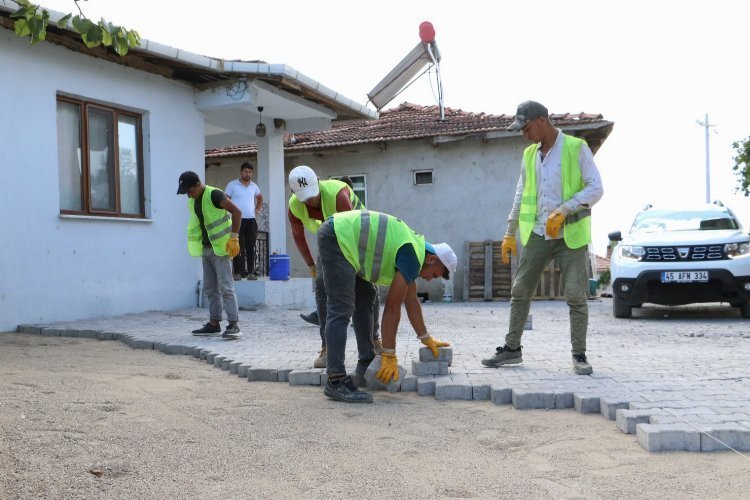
271,167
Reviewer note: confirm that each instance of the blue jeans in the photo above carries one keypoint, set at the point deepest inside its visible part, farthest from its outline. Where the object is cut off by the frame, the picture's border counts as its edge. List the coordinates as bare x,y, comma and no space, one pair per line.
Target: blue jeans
219,286
346,294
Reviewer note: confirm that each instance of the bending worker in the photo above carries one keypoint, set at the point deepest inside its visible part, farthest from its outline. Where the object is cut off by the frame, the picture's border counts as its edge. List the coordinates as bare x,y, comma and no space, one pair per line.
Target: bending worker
394,255
311,203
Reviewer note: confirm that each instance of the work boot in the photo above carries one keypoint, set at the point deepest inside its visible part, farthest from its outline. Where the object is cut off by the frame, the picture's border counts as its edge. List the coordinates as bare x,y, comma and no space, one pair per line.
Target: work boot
322,360
504,356
311,318
581,365
343,389
208,330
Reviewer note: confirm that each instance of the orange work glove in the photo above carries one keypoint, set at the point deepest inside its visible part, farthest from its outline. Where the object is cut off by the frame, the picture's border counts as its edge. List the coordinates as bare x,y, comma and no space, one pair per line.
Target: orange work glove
507,248
313,271
388,368
433,344
233,246
554,223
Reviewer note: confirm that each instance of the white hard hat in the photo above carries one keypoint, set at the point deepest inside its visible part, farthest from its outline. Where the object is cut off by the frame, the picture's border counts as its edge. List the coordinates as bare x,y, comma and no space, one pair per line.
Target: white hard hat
303,182
447,256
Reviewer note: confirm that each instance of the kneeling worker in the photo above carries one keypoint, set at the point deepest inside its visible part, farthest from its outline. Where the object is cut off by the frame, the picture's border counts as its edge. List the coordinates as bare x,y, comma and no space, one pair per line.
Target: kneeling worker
394,255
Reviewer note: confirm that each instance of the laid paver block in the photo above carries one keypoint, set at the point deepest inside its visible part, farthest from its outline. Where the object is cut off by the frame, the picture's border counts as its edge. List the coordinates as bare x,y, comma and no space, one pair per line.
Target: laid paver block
422,368
444,354
304,377
731,435
451,389
35,329
108,335
225,363
262,375
374,384
530,399
626,420
218,360
586,403
242,370
174,349
563,399
210,357
481,391
86,334
234,366
409,384
142,344
608,406
426,386
283,374
668,437
501,395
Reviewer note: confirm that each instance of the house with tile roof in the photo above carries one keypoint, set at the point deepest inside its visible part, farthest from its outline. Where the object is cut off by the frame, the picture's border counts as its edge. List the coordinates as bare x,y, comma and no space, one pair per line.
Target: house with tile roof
452,180
92,145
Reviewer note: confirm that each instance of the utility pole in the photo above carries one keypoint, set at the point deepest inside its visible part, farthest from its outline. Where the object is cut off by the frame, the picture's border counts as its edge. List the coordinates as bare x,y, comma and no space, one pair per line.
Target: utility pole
706,125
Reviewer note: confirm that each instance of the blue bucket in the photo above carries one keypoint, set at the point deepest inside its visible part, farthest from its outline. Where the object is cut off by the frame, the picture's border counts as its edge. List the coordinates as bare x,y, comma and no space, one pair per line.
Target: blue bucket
278,266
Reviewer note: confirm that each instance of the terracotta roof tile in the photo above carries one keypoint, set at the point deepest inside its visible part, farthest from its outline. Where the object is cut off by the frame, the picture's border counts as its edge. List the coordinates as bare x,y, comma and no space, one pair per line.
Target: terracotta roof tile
407,121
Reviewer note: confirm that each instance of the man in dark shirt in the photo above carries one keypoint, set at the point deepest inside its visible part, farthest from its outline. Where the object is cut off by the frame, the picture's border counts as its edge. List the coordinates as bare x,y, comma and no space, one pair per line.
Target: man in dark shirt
212,235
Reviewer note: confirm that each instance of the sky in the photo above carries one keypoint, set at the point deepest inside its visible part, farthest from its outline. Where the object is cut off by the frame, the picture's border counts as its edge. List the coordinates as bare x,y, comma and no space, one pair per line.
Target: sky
653,68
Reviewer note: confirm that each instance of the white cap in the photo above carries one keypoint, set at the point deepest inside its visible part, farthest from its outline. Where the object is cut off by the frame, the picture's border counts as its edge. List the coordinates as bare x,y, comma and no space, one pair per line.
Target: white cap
446,255
303,182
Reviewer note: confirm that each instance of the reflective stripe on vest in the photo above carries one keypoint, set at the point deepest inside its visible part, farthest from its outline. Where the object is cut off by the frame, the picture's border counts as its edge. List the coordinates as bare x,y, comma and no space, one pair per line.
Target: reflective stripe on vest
329,189
370,240
218,224
577,226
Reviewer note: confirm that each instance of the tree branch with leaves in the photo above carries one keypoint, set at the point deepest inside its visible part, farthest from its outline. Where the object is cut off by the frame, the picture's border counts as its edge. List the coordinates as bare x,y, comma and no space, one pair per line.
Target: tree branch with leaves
31,21
742,164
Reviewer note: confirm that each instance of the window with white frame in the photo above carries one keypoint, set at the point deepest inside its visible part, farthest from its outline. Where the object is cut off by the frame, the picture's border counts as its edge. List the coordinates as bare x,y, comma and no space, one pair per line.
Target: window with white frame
358,183
100,159
422,177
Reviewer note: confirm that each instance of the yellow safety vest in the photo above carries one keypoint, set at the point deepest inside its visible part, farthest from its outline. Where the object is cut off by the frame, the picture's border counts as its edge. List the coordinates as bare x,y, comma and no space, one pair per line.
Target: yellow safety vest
218,224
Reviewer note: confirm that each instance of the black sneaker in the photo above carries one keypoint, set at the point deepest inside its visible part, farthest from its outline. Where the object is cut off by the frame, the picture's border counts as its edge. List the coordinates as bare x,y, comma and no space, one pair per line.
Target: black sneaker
581,365
344,389
208,330
311,318
504,356
232,332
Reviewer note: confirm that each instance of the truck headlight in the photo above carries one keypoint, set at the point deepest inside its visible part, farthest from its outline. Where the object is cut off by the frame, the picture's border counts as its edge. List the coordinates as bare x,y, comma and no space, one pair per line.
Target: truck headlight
632,252
737,249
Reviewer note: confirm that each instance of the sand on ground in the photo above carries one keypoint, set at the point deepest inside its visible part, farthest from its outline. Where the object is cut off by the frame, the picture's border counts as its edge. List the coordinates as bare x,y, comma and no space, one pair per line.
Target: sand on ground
83,418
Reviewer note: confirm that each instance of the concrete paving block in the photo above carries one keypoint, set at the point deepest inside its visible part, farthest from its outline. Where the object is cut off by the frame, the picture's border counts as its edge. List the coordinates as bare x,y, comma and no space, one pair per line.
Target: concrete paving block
731,435
282,375
86,334
323,377
204,355
176,349
450,390
141,344
481,391
374,384
35,329
225,363
422,368
304,377
501,395
586,403
426,386
197,352
210,357
108,335
234,366
669,437
744,423
409,384
242,370
262,375
563,399
218,360
529,399
608,406
444,354
627,420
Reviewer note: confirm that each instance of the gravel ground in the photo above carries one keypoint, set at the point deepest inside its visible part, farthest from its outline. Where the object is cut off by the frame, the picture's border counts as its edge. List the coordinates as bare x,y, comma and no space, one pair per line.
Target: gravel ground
83,418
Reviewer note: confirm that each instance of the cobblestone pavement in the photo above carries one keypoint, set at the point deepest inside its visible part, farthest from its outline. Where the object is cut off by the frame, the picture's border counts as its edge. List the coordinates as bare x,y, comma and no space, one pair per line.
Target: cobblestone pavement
674,377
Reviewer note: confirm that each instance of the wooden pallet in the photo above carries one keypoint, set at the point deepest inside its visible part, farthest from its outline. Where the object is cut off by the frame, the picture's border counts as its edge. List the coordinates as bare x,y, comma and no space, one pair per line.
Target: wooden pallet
485,276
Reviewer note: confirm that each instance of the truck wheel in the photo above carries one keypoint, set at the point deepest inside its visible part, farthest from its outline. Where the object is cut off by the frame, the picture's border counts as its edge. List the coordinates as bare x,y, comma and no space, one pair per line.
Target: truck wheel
621,309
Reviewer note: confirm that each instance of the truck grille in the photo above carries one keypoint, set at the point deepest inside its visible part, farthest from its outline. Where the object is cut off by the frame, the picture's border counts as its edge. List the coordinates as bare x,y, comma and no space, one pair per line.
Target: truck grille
685,253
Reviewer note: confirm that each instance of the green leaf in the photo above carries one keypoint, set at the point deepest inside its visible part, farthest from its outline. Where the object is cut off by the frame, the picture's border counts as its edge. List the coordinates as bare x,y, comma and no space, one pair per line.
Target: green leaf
121,45
24,3
81,24
22,12
63,22
22,27
93,37
106,37
38,29
134,38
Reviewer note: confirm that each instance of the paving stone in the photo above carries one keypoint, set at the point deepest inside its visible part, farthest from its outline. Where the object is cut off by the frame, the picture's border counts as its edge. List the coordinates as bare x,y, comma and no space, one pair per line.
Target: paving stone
304,377
376,385
608,406
451,389
444,354
218,360
86,334
233,366
175,349
141,344
670,437
210,357
731,435
529,399
501,395
225,363
242,370
481,391
109,335
626,420
422,368
586,403
204,355
34,329
426,386
282,375
409,384
262,375
563,399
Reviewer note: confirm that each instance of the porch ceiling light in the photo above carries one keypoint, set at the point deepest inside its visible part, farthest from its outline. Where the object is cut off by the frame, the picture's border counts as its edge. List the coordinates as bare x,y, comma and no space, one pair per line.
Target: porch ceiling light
260,129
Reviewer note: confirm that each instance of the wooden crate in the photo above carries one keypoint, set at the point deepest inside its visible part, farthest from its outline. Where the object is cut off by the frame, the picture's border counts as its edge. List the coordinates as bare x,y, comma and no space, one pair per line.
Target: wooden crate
485,276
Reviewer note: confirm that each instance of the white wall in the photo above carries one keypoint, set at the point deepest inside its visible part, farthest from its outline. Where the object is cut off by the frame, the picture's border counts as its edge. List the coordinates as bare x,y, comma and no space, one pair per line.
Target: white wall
54,268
